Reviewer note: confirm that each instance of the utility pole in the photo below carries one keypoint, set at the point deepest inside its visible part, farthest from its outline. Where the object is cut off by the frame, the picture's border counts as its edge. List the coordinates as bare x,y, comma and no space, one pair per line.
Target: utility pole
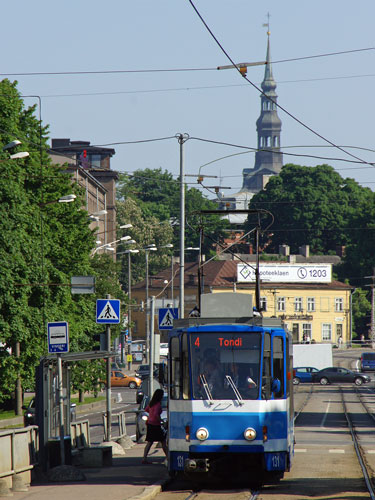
108,389
182,138
372,330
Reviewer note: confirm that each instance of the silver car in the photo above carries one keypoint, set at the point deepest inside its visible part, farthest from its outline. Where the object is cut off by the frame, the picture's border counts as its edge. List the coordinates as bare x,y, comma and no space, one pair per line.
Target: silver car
142,417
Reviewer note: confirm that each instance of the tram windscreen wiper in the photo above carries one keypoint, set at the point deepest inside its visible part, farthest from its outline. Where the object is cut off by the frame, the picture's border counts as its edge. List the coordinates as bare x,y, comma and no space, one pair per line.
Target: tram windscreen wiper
235,390
206,388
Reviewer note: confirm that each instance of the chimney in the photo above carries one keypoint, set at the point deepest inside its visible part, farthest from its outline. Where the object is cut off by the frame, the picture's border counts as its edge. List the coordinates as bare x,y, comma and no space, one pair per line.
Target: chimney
304,250
284,250
340,250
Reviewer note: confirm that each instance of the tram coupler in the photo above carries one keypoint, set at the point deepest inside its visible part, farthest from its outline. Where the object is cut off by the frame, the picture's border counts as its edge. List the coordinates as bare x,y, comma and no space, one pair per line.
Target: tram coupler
197,465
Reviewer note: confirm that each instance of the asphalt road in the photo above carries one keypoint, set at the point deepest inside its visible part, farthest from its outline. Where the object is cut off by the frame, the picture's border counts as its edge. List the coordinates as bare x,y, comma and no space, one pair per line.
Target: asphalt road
125,401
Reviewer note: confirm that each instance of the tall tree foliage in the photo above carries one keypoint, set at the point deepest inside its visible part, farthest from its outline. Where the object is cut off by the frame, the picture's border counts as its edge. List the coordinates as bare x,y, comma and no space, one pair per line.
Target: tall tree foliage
157,194
42,244
314,206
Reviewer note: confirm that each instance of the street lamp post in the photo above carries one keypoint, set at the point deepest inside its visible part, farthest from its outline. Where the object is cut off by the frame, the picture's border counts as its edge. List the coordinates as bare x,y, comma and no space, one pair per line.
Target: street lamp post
148,249
129,252
107,246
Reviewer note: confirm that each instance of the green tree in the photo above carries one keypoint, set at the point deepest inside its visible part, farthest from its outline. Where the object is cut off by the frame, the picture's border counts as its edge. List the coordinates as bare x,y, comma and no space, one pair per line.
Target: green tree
146,230
312,205
361,310
42,244
157,194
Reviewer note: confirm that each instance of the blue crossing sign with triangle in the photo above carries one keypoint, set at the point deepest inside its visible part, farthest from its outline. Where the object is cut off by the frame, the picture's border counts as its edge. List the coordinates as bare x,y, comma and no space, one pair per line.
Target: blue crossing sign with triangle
166,317
108,311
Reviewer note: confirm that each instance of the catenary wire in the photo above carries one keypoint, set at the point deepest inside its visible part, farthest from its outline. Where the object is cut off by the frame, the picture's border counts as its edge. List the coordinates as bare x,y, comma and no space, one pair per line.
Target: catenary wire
169,70
201,87
263,93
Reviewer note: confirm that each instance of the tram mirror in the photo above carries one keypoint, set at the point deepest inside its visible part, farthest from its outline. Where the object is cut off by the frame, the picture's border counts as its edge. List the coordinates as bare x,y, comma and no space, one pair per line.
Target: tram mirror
276,385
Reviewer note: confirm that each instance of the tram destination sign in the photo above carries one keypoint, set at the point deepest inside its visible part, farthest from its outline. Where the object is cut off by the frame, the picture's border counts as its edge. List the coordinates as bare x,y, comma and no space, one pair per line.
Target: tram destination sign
285,273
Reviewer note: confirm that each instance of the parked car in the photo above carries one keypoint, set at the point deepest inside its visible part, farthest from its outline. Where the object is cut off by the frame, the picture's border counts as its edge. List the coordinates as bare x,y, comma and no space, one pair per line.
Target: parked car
29,415
142,417
144,371
120,379
368,361
336,374
303,374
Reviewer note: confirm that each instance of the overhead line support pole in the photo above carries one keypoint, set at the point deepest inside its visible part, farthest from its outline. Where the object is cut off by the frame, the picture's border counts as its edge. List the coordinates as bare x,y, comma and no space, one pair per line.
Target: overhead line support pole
182,138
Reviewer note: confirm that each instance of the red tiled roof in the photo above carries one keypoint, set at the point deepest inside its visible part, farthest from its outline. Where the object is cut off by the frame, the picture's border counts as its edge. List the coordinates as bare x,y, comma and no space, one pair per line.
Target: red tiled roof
220,274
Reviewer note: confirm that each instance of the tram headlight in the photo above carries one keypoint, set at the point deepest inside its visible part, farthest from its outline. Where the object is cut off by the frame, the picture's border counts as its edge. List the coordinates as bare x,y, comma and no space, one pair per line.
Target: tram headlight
250,434
202,434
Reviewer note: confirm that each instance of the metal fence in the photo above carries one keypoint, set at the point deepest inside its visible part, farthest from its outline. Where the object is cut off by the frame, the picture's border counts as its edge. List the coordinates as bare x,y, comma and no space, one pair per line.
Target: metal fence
19,453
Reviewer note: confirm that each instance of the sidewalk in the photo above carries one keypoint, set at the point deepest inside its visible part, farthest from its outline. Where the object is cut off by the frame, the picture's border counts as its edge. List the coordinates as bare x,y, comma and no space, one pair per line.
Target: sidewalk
126,479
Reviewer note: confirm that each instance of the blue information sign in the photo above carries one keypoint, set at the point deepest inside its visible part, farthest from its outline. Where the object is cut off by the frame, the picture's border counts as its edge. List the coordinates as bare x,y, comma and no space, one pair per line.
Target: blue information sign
166,317
58,337
108,311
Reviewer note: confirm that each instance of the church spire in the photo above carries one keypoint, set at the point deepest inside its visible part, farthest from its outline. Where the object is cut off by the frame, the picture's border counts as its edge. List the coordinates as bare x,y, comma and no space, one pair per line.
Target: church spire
268,158
268,83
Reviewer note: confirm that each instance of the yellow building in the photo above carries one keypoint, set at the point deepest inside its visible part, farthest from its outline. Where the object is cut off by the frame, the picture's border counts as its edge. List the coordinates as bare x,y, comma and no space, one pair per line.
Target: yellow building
312,305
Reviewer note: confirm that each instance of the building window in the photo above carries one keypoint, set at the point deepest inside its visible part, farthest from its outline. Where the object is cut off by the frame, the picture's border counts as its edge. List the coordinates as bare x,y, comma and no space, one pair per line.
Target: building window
295,332
281,304
306,332
263,303
326,331
339,331
95,161
298,303
311,304
339,304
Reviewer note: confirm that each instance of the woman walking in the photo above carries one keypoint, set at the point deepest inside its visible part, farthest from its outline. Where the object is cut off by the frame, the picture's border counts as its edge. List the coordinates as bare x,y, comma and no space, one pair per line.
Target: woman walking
154,429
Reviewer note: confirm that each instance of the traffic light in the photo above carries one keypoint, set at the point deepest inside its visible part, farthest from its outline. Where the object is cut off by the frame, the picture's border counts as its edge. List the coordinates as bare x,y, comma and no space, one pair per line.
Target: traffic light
83,159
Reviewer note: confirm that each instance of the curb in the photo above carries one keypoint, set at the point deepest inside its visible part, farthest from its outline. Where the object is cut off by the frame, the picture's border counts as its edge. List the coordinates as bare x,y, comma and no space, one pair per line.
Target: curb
150,492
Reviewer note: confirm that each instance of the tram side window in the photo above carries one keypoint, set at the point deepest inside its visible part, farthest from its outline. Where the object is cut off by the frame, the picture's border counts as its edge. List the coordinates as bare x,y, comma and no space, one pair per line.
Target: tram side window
185,368
278,363
266,375
175,369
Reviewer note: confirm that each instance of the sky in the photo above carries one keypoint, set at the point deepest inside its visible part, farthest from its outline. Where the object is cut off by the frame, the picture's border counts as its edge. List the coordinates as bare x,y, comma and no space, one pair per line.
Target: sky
331,95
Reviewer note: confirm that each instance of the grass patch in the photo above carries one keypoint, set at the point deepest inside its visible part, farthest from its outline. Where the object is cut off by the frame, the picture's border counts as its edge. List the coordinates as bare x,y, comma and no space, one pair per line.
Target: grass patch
88,400
7,414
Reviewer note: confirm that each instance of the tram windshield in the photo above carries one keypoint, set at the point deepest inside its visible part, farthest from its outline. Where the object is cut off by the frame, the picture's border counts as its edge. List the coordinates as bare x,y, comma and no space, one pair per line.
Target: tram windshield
225,365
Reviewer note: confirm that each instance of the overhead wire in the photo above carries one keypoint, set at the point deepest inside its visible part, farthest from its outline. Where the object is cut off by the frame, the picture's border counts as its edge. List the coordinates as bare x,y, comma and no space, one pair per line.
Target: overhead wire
170,70
200,87
264,94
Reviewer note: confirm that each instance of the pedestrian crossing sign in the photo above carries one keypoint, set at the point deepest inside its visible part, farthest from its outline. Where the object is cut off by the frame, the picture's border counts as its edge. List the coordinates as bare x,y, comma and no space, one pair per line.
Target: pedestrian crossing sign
166,317
108,311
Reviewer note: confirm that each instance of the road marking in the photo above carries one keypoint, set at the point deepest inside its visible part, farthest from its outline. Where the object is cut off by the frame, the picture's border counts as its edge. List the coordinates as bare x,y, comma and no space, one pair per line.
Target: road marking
336,451
325,415
300,450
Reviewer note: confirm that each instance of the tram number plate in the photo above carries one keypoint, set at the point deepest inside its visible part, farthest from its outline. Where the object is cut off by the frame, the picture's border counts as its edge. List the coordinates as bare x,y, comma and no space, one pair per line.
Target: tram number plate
177,460
275,461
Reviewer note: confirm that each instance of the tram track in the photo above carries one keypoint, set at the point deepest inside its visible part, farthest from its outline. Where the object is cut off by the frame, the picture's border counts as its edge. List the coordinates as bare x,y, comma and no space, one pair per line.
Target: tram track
359,449
302,406
224,495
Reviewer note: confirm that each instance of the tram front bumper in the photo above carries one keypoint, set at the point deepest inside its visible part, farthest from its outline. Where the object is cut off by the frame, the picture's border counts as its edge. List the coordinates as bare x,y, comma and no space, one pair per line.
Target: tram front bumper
196,465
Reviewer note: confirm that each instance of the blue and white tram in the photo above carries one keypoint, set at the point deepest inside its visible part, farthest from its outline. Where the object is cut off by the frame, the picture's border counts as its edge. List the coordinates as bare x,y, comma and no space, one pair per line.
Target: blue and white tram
230,413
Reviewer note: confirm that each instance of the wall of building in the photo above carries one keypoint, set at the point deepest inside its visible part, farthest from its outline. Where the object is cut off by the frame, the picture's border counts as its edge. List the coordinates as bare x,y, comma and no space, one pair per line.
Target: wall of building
310,314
